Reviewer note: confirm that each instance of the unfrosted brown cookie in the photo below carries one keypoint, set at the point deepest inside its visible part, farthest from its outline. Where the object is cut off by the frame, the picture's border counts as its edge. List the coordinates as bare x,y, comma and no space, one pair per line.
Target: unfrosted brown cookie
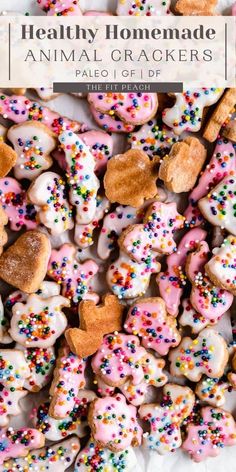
24,264
180,169
130,178
196,7
229,131
219,116
8,159
95,322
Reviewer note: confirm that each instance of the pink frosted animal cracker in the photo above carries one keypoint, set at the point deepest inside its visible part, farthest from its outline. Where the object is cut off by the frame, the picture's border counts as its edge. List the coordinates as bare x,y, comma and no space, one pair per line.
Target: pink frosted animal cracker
210,301
110,123
18,442
68,379
101,146
187,112
84,233
148,319
41,363
147,8
156,234
132,108
38,322
166,418
114,423
18,109
33,143
68,272
212,391
75,423
219,205
221,267
60,7
215,430
171,283
9,404
190,317
138,394
81,179
207,354
221,164
129,279
48,194
153,138
59,457
153,377
14,201
118,359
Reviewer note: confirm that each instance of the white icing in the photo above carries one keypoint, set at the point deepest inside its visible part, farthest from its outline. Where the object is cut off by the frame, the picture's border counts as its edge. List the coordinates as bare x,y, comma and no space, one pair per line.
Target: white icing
219,206
47,193
83,183
211,362
126,286
33,144
38,322
18,372
9,404
199,98
84,233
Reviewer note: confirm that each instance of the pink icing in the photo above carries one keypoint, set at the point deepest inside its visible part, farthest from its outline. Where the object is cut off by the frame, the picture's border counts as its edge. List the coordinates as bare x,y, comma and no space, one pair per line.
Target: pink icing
134,108
156,234
216,430
16,443
68,380
60,7
222,162
14,201
115,423
149,320
18,108
234,9
137,394
210,301
65,269
118,358
100,144
172,282
110,123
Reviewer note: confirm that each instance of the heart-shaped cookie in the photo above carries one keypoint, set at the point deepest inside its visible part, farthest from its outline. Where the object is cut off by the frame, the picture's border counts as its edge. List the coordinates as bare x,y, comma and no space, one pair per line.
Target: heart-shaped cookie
131,178
24,264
